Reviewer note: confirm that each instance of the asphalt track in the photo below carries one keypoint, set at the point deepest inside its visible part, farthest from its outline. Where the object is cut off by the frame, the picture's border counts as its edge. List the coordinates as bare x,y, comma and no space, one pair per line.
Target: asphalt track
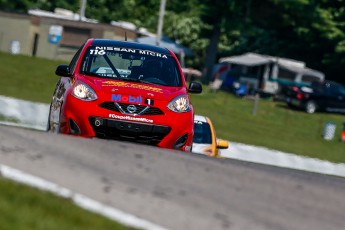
179,190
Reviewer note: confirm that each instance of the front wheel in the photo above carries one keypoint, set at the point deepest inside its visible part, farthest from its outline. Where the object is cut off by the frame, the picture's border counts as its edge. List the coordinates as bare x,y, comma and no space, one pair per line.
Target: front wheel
53,125
310,107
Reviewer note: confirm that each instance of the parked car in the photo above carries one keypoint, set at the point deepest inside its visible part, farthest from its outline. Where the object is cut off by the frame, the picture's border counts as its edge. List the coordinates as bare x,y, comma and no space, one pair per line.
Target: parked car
205,140
127,91
319,96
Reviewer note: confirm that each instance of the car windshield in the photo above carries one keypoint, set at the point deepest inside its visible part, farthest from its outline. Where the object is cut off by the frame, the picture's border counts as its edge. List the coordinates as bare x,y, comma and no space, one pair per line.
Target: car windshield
132,65
202,133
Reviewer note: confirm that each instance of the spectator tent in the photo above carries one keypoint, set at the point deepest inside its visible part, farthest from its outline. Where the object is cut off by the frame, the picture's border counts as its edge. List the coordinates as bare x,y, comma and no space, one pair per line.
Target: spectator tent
267,73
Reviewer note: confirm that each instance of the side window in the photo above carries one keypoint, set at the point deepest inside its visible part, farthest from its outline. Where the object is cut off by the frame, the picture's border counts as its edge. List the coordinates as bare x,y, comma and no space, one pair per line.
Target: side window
287,75
73,63
334,89
309,79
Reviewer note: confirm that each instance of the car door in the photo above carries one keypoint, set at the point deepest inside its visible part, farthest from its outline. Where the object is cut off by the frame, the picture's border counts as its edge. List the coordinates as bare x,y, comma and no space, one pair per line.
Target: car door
336,98
340,101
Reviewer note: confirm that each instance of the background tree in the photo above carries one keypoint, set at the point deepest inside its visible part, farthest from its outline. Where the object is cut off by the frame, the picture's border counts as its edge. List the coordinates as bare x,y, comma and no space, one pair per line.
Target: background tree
308,30
222,17
312,31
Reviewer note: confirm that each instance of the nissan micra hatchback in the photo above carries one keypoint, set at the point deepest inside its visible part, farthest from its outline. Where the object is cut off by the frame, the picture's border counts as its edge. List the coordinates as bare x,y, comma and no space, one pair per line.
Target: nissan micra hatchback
124,90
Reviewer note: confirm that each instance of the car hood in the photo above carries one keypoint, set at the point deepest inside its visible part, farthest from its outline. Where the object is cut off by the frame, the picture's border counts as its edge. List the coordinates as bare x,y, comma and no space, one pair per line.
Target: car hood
158,92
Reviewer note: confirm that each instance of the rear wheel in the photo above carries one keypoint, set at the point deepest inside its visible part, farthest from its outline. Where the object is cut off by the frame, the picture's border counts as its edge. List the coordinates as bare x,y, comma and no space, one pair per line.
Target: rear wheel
310,107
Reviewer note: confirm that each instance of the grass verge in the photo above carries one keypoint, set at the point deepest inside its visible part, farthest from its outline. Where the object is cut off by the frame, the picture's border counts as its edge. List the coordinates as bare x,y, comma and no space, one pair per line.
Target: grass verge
23,207
273,126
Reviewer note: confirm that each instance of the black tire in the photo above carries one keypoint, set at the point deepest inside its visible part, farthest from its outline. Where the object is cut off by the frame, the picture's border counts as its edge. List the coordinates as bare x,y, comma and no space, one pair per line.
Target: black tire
56,127
48,123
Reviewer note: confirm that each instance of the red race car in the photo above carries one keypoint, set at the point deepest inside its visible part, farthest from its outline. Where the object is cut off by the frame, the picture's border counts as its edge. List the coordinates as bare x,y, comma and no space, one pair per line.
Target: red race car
127,91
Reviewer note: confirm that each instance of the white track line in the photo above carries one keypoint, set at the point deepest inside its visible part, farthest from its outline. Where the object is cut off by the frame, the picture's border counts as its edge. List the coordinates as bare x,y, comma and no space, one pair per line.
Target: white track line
78,199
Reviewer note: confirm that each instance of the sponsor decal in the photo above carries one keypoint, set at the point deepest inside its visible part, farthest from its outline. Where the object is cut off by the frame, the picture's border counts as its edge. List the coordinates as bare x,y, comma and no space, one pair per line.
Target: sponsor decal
132,85
101,50
127,98
149,101
131,99
97,52
130,118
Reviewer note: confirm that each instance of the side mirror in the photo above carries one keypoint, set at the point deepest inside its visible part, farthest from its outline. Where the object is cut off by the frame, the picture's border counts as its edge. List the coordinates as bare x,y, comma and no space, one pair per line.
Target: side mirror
222,144
63,71
195,87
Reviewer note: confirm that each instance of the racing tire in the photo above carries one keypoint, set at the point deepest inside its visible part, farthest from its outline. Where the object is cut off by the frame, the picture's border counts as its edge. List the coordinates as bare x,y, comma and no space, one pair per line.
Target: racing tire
48,122
310,107
51,126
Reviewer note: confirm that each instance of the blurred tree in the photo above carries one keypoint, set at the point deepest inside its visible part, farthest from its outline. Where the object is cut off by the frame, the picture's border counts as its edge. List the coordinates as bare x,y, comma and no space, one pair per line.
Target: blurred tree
22,6
312,31
18,6
183,24
139,12
222,17
308,30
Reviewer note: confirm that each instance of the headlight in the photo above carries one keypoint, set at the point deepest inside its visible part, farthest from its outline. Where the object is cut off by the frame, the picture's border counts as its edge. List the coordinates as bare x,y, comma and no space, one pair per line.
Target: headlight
179,104
83,92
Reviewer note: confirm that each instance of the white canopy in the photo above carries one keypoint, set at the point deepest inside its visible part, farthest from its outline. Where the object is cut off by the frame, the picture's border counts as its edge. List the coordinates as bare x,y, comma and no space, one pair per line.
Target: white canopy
248,59
253,59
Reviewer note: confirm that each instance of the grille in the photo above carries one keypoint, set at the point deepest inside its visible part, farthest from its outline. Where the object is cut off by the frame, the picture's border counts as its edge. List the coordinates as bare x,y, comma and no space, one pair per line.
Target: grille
141,109
130,131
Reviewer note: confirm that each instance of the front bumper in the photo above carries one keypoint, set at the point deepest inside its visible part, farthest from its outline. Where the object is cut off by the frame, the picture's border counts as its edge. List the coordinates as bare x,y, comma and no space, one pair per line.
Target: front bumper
167,129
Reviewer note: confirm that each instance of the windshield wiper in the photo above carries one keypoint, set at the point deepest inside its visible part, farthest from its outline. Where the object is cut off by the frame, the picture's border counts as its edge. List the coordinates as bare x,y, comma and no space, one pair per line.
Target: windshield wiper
111,66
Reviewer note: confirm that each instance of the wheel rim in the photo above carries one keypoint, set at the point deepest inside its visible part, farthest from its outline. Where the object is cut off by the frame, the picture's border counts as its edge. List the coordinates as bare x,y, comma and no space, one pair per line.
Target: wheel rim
311,107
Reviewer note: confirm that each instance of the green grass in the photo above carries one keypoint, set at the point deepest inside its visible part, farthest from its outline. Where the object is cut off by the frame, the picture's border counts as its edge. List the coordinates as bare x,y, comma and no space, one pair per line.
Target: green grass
274,125
23,207
8,119
27,78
